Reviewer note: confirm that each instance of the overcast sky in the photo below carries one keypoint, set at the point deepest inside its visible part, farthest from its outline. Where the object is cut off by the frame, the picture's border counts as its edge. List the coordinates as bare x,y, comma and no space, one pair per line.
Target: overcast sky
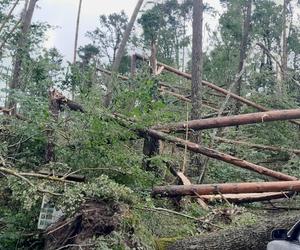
63,14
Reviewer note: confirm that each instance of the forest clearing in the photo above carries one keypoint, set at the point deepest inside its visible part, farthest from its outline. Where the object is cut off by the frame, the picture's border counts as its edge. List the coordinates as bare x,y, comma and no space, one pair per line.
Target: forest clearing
171,124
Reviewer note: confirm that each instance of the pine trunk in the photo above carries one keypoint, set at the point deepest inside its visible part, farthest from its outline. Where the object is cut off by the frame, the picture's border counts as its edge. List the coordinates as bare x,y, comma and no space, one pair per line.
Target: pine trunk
196,93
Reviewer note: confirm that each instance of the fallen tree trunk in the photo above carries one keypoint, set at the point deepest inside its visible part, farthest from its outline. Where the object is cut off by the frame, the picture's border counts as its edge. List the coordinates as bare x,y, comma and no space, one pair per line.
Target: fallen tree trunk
258,146
199,149
183,98
253,237
227,188
213,86
219,156
244,198
219,122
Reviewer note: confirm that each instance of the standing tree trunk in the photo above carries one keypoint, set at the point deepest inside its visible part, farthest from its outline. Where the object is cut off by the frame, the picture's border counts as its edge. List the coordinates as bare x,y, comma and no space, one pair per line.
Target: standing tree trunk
77,31
50,133
153,58
284,57
22,45
243,49
197,61
151,145
76,42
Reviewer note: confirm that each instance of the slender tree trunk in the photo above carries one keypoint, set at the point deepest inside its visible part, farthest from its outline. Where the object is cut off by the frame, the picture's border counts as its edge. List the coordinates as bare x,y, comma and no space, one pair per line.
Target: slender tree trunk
8,15
197,61
151,145
22,46
77,31
120,53
243,49
126,35
76,42
284,56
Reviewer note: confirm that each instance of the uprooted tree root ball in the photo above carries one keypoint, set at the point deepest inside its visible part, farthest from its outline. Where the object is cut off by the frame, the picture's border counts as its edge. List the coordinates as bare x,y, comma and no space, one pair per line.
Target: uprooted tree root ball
94,219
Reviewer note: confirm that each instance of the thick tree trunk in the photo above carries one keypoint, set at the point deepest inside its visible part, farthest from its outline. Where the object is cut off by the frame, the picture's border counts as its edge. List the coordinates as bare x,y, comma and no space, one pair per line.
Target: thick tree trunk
22,45
150,149
218,155
261,117
227,188
196,91
243,49
214,87
253,237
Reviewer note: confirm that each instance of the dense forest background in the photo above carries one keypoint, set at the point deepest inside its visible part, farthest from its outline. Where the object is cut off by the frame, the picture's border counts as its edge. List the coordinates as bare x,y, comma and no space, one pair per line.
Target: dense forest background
88,118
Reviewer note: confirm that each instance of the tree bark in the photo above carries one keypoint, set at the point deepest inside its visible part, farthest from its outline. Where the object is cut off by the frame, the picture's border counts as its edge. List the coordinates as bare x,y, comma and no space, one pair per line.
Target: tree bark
125,38
22,45
77,31
153,58
196,91
133,66
261,117
244,198
253,237
150,149
284,59
227,188
218,155
243,49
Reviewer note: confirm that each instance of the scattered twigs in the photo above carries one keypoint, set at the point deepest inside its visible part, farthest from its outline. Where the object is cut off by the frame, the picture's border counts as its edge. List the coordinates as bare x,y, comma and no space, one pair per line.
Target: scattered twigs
164,210
183,98
214,87
258,146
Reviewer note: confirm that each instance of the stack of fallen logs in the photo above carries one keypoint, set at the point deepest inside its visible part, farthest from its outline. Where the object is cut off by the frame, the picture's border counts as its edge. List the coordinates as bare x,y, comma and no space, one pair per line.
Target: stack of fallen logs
235,192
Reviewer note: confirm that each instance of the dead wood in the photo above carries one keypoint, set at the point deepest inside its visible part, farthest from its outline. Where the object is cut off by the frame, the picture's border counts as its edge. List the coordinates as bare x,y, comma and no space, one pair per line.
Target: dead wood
214,87
253,237
227,188
219,122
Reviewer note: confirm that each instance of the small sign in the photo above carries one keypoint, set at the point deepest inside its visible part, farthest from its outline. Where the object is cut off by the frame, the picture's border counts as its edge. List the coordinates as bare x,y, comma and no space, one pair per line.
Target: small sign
48,214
